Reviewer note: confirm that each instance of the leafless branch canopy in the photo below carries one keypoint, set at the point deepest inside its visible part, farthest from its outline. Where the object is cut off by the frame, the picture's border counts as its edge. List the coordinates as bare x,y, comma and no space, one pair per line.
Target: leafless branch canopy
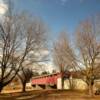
20,37
63,54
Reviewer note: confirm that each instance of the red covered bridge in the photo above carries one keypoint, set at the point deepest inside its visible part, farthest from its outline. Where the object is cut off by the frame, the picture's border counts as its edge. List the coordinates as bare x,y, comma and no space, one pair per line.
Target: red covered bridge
46,80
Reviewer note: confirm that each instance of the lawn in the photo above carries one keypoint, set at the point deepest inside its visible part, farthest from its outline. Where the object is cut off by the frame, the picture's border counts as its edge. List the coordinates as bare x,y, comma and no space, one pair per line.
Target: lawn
48,95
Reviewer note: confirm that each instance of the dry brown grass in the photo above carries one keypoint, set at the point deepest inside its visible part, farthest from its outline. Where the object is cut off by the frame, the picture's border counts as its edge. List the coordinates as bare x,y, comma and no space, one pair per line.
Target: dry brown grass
48,95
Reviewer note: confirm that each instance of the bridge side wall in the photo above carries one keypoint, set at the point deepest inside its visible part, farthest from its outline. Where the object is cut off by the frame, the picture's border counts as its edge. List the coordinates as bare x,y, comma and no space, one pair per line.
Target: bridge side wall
77,84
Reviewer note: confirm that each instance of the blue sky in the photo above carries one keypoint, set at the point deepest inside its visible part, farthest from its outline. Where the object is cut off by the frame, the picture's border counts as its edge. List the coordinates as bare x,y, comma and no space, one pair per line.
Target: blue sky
60,14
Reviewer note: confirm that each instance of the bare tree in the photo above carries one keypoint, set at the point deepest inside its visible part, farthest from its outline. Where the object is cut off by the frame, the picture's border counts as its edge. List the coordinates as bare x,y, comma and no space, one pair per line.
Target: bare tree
25,74
63,55
84,58
20,36
89,51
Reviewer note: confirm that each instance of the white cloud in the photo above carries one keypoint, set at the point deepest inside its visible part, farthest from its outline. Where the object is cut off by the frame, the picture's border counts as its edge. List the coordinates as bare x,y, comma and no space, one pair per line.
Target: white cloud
3,7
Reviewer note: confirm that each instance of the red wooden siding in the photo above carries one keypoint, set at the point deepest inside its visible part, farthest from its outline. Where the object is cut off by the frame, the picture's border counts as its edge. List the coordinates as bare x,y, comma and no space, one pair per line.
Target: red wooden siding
47,79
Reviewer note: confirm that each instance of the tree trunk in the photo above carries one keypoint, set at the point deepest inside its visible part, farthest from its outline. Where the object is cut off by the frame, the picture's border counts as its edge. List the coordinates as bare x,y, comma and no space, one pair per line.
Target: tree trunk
71,84
62,82
24,86
1,87
91,89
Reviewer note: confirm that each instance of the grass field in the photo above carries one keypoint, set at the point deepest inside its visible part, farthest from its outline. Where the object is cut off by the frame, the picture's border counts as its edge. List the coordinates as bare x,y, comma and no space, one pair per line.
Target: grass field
48,95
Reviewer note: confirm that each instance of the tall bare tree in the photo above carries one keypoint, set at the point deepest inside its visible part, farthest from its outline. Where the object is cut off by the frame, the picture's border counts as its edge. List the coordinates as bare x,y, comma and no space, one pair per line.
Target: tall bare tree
85,57
89,51
63,55
20,36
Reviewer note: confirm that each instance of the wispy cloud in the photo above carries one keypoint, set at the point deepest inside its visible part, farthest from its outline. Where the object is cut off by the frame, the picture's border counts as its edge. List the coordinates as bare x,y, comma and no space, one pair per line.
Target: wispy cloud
63,2
81,1
3,7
